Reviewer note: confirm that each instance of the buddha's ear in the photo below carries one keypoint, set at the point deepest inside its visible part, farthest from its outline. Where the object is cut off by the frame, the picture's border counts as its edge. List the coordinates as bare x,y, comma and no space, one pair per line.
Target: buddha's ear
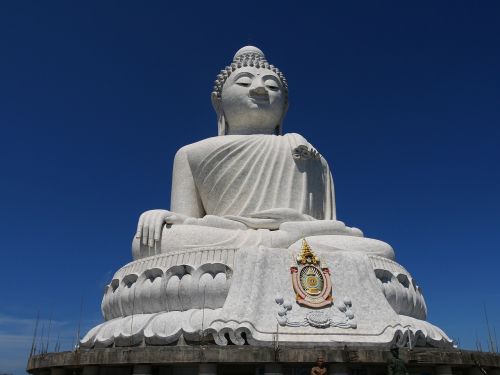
221,121
279,127
216,102
222,124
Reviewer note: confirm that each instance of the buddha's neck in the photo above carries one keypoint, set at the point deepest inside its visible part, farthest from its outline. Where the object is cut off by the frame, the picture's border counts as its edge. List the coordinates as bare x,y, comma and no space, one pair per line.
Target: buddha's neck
250,131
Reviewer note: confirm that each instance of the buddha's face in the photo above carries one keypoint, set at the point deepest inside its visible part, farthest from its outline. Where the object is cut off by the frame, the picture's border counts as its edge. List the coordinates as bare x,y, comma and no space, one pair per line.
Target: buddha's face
253,101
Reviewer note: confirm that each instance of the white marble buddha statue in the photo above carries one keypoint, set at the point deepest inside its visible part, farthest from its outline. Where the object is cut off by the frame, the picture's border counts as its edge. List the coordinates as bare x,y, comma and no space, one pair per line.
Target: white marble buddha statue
249,209
250,185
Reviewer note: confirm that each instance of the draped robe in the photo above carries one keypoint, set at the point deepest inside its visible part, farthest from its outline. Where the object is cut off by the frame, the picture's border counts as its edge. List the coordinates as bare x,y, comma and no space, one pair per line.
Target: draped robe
240,183
246,174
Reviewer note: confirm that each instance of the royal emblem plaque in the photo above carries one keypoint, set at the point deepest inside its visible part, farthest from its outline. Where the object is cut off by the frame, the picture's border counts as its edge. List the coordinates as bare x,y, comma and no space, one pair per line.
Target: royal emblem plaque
311,282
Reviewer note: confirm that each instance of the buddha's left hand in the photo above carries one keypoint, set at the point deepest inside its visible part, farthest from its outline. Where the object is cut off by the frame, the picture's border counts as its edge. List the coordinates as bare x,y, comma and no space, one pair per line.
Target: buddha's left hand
270,219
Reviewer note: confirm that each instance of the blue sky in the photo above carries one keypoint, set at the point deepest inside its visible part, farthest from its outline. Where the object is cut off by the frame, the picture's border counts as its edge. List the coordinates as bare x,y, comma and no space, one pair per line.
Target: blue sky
402,98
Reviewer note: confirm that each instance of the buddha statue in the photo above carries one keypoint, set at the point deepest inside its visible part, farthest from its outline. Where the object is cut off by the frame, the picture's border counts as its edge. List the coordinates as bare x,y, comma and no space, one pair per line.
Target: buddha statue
251,245
250,185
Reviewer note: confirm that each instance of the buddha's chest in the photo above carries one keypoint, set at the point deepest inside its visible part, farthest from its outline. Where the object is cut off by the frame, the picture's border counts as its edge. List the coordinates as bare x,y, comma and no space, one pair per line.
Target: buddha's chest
250,174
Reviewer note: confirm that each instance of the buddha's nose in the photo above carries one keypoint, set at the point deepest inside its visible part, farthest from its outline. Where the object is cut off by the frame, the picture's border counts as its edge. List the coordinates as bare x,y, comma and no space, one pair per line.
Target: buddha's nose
260,91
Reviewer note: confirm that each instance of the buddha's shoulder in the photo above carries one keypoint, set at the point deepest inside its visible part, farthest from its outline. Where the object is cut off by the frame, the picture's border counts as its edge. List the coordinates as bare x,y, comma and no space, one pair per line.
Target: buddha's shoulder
197,151
205,146
215,142
296,137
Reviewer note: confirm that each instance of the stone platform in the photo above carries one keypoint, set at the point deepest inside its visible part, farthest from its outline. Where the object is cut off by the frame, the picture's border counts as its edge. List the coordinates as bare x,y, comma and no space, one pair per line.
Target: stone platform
212,359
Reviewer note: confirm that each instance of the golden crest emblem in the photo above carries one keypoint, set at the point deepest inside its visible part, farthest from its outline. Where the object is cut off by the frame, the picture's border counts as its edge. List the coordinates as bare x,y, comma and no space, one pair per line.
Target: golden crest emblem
311,282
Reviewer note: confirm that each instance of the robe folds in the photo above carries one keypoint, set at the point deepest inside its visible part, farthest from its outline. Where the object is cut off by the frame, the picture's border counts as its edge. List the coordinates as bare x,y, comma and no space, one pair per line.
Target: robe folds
256,190
242,175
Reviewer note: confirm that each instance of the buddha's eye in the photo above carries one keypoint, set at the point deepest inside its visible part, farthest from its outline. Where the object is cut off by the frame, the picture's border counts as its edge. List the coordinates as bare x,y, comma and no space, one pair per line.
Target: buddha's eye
271,85
244,81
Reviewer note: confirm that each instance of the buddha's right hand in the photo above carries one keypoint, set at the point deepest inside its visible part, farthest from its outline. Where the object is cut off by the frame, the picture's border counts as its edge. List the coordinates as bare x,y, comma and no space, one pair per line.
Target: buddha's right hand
151,224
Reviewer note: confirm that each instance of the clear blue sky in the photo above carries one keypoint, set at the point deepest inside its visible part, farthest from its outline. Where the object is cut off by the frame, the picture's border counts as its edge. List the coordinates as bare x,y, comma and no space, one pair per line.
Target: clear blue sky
402,98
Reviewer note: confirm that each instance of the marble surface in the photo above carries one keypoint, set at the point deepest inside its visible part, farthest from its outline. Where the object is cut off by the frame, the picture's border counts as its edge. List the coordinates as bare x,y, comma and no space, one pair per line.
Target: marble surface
217,265
238,297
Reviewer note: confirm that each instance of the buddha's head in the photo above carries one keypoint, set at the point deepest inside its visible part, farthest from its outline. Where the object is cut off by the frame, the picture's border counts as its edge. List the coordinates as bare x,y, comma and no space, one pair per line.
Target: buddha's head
250,96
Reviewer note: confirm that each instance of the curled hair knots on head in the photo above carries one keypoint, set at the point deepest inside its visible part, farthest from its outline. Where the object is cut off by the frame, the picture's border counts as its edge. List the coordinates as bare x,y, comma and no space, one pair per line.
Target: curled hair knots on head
243,59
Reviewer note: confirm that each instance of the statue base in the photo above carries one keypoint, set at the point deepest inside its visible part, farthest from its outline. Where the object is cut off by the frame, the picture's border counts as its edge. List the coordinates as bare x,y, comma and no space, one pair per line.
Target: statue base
280,359
247,296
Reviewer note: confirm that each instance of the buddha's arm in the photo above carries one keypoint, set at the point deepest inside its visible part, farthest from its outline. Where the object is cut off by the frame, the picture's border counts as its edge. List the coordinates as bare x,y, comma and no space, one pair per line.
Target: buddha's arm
330,209
185,203
184,199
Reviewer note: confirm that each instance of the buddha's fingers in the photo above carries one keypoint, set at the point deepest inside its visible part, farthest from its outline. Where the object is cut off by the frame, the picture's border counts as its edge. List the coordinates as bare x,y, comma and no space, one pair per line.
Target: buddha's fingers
158,224
151,229
145,228
140,224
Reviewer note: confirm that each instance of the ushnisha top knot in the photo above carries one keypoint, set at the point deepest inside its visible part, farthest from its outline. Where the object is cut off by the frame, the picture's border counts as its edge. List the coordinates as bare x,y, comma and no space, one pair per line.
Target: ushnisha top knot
248,50
246,56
